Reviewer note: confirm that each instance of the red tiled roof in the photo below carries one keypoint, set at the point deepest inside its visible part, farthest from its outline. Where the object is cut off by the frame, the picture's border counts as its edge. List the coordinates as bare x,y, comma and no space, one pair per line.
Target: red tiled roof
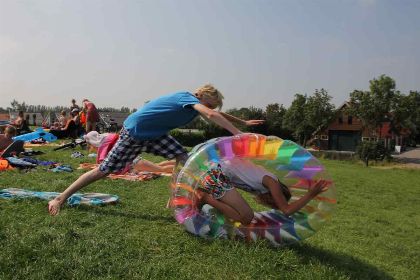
4,117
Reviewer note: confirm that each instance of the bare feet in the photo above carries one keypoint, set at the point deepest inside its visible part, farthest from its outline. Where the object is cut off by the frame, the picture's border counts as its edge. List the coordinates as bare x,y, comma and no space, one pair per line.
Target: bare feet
54,206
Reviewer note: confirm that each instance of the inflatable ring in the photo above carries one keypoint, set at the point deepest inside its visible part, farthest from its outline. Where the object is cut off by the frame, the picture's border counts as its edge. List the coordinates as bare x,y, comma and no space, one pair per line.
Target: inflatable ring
294,166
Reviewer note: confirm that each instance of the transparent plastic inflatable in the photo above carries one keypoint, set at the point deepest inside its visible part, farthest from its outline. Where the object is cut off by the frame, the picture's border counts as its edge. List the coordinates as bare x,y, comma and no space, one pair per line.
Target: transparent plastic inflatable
292,164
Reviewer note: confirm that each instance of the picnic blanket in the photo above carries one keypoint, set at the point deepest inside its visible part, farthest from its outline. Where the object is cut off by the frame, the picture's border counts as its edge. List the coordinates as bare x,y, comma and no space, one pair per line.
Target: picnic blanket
29,145
75,199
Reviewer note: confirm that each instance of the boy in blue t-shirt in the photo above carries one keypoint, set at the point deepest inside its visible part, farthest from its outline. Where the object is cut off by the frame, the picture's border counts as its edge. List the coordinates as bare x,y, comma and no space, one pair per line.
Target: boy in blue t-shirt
147,129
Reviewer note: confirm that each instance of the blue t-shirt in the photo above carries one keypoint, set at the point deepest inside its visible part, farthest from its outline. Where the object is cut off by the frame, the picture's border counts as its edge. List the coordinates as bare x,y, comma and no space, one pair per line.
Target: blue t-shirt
161,115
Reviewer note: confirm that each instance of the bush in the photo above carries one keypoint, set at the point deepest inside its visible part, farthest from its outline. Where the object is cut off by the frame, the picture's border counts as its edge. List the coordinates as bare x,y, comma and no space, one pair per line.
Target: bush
372,151
189,139
334,155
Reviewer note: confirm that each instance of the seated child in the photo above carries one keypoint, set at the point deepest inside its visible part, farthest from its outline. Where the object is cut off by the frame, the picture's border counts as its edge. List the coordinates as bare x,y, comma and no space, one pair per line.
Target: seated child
6,138
218,188
104,143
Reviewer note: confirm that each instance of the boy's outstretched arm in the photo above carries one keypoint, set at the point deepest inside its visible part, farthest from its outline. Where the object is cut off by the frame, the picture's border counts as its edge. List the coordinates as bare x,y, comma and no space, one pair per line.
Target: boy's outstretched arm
217,118
241,121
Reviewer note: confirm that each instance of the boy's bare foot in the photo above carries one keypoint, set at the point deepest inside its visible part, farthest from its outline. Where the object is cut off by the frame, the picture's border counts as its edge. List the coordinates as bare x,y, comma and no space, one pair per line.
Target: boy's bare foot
54,207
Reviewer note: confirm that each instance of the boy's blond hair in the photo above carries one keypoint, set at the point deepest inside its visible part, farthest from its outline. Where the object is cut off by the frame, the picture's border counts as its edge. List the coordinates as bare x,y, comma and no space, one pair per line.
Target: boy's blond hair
211,92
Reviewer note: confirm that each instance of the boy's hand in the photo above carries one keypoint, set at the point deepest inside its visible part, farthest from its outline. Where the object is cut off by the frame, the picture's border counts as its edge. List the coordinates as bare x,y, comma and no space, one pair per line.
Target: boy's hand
319,187
254,122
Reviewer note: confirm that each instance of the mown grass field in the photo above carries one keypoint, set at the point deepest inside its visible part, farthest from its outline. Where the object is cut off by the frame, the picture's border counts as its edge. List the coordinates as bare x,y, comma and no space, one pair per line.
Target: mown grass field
374,234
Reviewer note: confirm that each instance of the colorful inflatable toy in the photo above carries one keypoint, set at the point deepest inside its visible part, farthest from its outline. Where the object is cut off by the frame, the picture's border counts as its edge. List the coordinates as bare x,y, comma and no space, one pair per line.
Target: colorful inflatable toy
39,133
292,164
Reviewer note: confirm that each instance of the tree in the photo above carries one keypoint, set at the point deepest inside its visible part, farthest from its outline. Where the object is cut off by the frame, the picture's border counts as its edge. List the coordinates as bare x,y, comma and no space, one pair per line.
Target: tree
403,113
16,106
413,102
274,115
294,118
372,106
319,110
307,114
372,151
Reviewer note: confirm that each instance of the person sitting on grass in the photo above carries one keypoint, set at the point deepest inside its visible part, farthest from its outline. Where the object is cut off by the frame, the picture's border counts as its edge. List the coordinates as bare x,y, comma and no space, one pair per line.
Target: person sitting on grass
21,124
147,129
7,138
218,188
104,142
70,130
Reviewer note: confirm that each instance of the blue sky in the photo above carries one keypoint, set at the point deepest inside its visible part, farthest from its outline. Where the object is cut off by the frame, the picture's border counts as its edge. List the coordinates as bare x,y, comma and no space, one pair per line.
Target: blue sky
123,53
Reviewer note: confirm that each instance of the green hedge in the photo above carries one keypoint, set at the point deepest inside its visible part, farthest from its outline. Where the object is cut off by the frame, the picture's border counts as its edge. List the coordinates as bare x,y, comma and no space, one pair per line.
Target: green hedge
334,155
189,139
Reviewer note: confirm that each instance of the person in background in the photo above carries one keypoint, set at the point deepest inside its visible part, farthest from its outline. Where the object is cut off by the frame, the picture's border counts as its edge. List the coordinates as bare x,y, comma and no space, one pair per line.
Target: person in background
6,138
74,105
21,124
62,119
92,115
75,114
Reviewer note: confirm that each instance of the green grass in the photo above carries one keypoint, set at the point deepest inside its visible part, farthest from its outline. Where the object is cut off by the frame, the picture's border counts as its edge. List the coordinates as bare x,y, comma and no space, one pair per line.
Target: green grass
374,233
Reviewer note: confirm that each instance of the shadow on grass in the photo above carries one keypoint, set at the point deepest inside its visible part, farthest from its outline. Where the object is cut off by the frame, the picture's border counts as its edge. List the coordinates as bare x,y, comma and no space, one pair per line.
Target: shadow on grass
349,265
124,214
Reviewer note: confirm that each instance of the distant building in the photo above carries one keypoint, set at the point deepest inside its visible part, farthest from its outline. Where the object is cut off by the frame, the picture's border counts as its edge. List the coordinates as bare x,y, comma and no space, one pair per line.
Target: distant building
345,133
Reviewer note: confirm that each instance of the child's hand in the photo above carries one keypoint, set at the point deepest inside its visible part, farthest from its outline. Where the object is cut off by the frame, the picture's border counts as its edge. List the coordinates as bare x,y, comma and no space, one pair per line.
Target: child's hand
319,187
202,196
254,122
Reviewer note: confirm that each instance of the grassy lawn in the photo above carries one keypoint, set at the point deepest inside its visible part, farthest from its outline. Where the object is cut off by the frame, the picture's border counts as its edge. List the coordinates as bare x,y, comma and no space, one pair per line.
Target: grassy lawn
374,234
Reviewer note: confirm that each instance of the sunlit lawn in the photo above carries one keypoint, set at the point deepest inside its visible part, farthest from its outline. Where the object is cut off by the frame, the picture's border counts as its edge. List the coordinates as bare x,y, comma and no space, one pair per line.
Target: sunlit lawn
374,234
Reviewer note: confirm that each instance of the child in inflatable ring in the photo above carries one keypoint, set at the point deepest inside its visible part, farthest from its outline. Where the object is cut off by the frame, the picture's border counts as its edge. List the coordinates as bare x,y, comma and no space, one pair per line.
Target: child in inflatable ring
218,188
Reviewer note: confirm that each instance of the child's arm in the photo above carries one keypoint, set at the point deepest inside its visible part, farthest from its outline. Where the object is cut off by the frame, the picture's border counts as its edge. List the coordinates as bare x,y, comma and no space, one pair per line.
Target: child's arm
217,118
281,202
241,121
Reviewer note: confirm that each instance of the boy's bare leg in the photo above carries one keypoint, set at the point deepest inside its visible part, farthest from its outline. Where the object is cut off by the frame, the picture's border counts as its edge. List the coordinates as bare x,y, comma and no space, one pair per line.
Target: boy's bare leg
145,165
84,180
167,163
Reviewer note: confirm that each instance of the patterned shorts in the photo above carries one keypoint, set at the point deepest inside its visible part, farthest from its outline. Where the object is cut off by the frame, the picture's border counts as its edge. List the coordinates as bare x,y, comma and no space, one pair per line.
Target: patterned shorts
127,148
215,182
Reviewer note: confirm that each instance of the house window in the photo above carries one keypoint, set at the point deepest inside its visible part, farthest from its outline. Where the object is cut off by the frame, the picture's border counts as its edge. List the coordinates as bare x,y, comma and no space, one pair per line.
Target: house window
371,139
340,120
324,137
316,137
350,120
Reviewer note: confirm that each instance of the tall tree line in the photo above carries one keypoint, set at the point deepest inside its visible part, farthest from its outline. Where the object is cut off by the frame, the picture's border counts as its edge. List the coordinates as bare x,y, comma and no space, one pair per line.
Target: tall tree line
307,113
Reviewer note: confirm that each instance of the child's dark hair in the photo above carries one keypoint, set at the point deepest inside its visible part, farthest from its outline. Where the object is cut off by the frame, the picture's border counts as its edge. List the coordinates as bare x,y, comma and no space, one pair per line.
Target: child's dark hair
285,190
